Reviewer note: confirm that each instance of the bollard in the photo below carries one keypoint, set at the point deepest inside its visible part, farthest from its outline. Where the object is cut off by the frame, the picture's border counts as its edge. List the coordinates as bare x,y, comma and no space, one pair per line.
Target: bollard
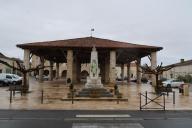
164,101
117,98
72,96
146,97
14,93
10,96
140,100
42,96
173,97
117,95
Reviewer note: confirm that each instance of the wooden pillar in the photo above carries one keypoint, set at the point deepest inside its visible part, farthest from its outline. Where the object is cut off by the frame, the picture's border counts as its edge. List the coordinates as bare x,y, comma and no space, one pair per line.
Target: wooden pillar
26,64
128,72
153,66
69,64
41,71
102,71
78,70
138,71
57,70
112,65
107,69
74,71
122,72
51,71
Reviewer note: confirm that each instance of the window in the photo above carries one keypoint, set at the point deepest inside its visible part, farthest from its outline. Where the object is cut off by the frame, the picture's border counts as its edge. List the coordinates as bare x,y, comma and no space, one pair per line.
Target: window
171,75
8,70
8,77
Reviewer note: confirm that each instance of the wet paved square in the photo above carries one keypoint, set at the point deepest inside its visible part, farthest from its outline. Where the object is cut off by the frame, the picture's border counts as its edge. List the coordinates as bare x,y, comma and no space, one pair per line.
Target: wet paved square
55,91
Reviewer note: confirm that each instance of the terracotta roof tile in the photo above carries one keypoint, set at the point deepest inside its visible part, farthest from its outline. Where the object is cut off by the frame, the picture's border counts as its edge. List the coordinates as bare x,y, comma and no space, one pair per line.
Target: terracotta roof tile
86,42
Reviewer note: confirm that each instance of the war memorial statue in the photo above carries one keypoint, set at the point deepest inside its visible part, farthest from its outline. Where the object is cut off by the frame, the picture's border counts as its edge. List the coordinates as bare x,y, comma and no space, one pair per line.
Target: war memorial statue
94,87
93,80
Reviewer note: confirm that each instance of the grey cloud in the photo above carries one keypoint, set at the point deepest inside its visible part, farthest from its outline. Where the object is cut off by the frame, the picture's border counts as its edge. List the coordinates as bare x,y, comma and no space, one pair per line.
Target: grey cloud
165,23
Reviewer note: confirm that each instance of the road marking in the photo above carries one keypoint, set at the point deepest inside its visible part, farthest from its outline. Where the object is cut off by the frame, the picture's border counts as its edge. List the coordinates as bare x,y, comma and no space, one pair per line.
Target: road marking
105,116
107,125
18,118
101,119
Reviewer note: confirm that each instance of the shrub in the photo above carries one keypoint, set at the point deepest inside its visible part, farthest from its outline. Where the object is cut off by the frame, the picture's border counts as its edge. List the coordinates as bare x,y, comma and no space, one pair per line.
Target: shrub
163,79
186,78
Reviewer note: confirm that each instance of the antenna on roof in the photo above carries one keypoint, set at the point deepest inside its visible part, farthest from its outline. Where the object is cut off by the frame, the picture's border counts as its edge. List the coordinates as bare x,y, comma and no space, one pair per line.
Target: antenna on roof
92,31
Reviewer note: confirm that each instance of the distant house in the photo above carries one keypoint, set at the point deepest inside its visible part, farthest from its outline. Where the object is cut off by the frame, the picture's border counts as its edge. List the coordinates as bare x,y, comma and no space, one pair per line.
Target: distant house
11,61
182,68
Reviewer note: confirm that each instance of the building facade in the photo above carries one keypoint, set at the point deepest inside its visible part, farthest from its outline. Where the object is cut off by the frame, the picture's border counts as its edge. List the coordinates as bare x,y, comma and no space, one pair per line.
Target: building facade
180,69
10,61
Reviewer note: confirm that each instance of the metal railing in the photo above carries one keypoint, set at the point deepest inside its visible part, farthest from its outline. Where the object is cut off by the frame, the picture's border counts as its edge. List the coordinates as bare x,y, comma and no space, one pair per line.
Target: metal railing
149,100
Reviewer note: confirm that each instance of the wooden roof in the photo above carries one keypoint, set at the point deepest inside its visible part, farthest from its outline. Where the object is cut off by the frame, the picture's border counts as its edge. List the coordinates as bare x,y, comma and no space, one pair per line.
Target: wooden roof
56,50
86,42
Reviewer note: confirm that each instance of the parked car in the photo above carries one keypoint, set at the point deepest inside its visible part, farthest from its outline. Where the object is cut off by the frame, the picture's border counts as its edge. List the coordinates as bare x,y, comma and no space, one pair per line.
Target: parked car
17,77
172,83
6,79
44,77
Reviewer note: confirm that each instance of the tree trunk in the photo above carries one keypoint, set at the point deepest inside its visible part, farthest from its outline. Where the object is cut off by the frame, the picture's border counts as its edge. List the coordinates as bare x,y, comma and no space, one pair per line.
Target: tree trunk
157,82
25,87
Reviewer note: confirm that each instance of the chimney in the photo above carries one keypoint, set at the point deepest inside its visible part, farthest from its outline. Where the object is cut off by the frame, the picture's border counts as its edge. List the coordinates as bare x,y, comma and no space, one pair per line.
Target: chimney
182,60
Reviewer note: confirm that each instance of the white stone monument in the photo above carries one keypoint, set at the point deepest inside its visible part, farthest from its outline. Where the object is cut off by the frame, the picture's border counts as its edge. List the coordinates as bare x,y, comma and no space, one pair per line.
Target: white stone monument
93,80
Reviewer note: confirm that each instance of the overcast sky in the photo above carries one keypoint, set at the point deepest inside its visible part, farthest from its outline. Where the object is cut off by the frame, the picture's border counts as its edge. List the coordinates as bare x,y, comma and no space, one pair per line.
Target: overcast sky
166,23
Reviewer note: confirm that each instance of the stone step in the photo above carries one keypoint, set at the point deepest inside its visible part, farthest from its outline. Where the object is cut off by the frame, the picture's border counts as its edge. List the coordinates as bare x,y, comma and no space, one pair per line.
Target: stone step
97,89
100,92
99,95
93,91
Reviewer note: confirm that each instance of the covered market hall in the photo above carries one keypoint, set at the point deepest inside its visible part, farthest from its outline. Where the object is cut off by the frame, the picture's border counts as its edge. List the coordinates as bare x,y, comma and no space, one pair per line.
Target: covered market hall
77,51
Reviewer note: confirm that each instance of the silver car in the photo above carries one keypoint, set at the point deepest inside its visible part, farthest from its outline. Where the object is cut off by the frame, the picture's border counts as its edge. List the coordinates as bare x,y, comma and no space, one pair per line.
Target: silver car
6,79
172,83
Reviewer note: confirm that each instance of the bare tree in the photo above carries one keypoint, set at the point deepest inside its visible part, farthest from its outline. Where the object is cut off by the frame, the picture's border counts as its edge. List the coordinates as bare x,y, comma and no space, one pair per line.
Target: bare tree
157,71
20,67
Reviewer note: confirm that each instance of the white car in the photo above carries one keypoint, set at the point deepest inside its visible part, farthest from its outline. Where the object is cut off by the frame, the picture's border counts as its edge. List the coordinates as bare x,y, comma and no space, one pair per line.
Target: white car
6,79
17,77
172,83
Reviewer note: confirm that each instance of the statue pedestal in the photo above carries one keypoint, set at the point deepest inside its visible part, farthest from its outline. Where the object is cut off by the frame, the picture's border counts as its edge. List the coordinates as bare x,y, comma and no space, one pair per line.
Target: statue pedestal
94,93
94,87
94,82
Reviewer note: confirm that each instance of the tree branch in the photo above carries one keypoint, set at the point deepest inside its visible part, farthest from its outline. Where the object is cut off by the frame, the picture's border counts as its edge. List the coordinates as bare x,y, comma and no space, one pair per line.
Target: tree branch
7,64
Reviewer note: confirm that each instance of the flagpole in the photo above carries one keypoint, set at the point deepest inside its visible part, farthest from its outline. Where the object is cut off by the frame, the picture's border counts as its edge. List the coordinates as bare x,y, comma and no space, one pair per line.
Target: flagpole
92,31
